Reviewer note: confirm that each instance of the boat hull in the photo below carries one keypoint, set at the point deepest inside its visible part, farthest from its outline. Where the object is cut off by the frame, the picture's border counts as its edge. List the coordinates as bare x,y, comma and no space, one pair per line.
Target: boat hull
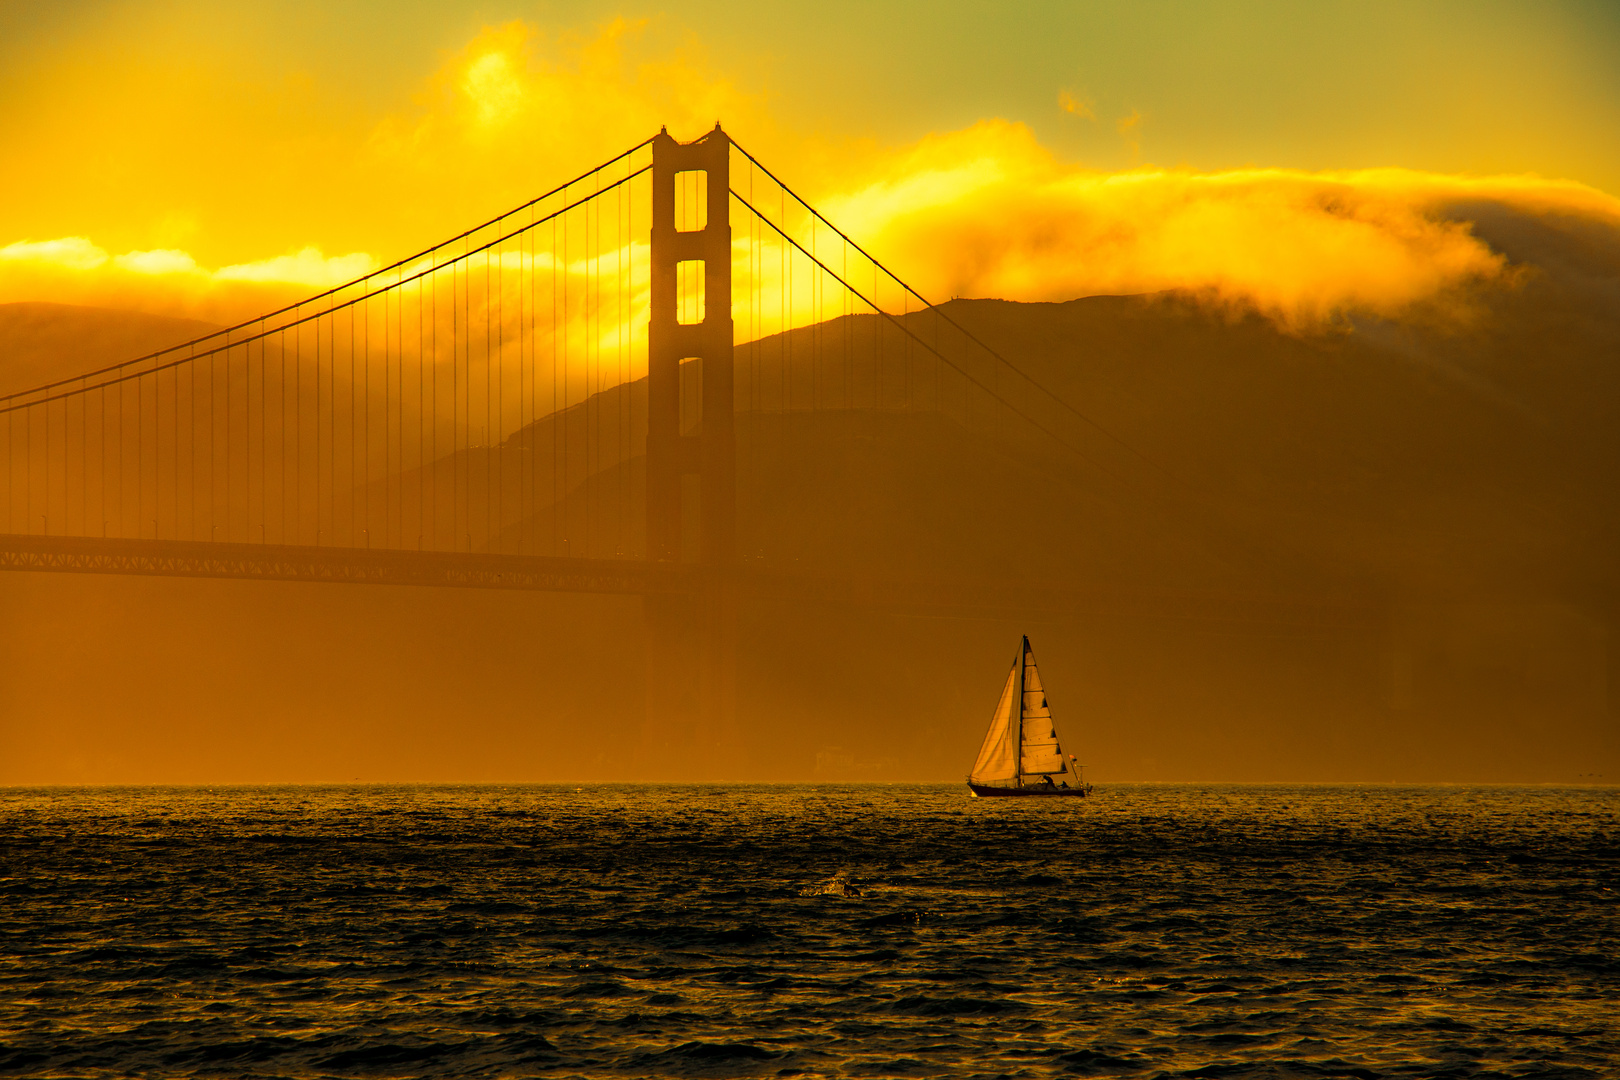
1040,791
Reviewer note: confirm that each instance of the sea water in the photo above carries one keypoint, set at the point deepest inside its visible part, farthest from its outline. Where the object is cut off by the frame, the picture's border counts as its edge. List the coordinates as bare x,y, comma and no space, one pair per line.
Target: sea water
866,931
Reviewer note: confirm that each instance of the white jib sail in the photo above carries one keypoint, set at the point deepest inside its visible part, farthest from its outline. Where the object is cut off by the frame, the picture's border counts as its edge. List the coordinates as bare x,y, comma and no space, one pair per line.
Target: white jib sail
997,762
1039,752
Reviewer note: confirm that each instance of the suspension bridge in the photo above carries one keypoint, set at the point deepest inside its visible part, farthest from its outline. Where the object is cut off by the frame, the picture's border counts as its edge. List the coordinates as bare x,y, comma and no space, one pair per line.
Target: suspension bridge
596,392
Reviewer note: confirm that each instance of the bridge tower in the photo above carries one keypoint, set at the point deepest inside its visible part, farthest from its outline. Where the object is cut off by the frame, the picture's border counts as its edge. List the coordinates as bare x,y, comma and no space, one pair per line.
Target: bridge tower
691,452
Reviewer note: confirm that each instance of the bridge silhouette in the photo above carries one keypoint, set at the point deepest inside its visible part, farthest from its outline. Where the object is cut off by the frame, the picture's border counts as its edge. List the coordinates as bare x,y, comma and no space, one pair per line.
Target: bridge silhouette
573,396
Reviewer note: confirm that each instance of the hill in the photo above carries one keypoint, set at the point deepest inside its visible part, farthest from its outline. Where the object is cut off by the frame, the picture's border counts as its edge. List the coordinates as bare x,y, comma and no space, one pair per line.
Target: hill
1455,476
1454,471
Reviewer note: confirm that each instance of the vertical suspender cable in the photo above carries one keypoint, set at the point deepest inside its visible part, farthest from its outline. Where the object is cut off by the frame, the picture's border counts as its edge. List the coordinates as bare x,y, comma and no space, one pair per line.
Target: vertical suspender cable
422,423
227,442
562,503
556,412
434,293
489,371
398,289
264,521
353,441
318,411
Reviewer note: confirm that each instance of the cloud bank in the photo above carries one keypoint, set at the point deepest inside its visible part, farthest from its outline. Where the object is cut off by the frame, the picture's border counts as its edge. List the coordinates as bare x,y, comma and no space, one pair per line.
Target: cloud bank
984,211
989,212
72,269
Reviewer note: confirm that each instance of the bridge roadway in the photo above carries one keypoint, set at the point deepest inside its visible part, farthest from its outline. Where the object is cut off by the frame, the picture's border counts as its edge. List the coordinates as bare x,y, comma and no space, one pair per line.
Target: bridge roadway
960,597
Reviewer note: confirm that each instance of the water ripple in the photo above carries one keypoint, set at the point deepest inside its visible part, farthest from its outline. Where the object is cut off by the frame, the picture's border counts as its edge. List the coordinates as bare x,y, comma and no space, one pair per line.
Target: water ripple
863,932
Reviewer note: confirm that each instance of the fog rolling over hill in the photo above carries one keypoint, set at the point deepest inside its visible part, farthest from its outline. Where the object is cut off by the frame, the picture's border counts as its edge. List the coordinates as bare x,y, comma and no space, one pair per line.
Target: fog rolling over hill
41,343
1450,478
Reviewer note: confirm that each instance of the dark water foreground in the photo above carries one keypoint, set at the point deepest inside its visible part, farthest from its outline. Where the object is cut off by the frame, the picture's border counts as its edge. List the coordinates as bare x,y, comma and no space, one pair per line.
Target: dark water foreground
1152,931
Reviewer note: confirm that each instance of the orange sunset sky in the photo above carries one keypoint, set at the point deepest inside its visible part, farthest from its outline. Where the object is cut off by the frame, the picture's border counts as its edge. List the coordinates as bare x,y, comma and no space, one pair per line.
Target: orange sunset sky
207,159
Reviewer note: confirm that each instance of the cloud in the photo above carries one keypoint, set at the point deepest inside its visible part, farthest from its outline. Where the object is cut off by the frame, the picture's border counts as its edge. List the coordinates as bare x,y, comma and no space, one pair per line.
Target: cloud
518,109
68,253
1130,129
987,211
308,267
983,211
1076,106
159,261
501,120
488,126
493,86
72,269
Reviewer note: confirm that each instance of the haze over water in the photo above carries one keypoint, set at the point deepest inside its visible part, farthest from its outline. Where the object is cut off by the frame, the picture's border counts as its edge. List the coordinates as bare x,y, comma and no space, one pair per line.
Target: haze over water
817,931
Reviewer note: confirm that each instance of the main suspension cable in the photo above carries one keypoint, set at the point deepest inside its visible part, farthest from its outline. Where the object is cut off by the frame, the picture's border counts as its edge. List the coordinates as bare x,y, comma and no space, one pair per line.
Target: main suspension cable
227,331
387,289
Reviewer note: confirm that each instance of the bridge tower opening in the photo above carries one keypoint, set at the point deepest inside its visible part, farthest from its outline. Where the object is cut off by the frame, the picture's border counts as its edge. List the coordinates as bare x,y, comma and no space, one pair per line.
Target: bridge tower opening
691,455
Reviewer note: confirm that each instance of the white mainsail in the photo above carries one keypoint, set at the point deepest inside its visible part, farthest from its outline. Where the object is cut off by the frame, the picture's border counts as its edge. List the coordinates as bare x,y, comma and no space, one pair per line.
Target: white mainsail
1038,751
1022,740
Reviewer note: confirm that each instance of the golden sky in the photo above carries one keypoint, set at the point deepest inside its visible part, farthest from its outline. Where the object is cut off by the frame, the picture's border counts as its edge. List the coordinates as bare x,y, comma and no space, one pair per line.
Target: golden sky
1297,157
1306,159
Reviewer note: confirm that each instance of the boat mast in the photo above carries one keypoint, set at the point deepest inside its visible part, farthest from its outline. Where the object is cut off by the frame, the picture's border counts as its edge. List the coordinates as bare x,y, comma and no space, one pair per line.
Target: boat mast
1018,747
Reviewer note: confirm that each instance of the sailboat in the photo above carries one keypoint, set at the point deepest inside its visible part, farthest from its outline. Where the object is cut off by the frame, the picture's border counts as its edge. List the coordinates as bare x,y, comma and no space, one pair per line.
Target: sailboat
1021,755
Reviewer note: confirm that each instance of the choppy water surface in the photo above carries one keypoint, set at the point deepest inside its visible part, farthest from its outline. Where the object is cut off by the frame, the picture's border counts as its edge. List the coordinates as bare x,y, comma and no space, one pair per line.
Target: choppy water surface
1159,931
